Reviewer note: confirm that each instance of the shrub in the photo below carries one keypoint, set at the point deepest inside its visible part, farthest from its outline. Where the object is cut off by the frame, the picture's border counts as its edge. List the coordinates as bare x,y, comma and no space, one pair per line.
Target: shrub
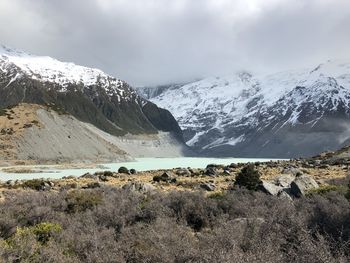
2,112
347,195
324,189
123,226
108,173
42,232
35,184
80,201
123,170
248,177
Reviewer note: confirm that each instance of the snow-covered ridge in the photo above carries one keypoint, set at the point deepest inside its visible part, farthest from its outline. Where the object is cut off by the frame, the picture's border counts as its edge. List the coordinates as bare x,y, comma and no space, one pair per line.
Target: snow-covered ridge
47,69
220,110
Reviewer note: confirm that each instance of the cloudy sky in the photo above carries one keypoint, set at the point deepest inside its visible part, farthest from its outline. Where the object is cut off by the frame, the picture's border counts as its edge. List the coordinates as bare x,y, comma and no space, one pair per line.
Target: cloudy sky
148,42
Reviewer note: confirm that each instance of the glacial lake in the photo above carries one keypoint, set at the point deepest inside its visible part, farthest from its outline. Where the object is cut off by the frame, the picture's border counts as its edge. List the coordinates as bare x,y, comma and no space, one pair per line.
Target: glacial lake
140,164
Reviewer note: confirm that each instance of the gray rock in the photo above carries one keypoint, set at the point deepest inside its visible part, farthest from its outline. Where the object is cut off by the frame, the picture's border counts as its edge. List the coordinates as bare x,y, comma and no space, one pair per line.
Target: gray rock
165,177
208,186
45,187
183,172
89,176
69,177
93,185
302,184
284,195
227,172
324,166
270,188
50,183
10,183
103,178
144,188
284,180
210,171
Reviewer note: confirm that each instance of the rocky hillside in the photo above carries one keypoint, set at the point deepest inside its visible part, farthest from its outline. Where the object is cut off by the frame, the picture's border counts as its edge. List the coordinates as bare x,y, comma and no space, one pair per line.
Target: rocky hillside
286,114
83,96
32,133
88,94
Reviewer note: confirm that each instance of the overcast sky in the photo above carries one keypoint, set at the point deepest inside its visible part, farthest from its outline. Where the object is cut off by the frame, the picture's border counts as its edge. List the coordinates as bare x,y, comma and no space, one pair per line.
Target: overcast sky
148,42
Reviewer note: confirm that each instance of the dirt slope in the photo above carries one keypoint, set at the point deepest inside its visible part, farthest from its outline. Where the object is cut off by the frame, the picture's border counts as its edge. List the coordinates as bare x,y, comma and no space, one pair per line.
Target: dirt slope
36,134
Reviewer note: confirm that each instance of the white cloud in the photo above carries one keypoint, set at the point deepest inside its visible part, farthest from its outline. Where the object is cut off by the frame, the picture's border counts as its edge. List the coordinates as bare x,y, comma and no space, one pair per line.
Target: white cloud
156,41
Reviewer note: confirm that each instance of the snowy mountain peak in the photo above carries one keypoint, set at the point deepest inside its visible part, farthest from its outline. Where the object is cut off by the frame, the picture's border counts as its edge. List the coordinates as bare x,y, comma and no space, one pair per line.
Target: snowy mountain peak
227,114
47,69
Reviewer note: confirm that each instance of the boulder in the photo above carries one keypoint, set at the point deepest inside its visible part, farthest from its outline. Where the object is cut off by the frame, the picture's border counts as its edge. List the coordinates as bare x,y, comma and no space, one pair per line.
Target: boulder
165,177
183,172
93,185
89,176
10,183
285,195
270,188
210,171
103,178
144,188
208,186
284,180
302,184
227,171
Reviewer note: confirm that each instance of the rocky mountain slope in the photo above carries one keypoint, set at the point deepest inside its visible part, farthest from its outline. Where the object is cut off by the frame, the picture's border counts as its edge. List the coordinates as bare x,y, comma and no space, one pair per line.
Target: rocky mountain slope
88,95
35,133
286,114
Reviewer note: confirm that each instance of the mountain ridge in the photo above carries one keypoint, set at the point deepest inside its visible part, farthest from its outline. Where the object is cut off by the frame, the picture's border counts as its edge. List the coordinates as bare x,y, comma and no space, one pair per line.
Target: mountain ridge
111,103
87,94
265,115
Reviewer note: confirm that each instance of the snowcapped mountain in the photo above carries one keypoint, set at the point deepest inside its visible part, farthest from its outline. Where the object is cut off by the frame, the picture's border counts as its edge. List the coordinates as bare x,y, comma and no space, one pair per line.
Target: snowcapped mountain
88,94
286,114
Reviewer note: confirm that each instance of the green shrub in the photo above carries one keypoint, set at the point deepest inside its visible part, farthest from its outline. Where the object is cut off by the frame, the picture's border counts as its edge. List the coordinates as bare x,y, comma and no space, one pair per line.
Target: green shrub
2,112
248,177
42,232
35,184
324,189
80,201
347,195
108,173
123,170
217,195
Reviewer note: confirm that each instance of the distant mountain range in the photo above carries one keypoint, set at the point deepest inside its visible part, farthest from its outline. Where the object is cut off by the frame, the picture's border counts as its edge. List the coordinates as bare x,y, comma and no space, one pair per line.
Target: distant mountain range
88,95
286,114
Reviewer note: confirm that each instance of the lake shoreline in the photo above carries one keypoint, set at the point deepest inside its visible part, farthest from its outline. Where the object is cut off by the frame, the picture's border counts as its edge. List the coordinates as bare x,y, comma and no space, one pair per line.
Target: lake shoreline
56,171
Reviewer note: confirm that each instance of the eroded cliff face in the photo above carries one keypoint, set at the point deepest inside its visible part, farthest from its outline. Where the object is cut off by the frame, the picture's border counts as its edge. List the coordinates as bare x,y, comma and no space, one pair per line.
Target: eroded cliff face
65,98
38,134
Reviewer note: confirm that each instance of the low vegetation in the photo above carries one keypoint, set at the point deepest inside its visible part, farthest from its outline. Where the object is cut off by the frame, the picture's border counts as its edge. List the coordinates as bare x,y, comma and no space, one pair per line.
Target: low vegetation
248,177
110,224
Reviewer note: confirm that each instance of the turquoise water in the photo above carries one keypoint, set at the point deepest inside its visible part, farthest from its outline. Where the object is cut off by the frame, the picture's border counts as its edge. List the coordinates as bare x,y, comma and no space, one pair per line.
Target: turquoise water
141,164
